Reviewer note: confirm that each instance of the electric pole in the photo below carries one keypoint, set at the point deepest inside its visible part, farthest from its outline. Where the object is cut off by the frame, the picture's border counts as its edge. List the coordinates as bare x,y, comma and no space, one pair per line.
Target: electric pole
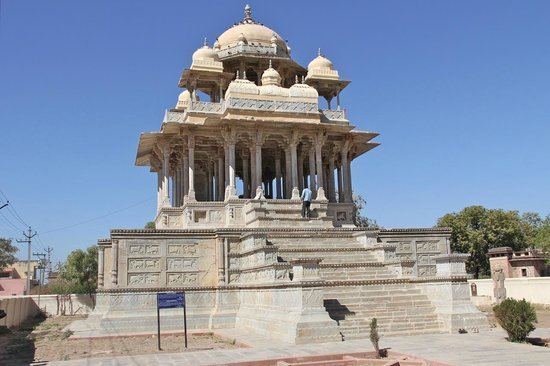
28,239
48,260
41,267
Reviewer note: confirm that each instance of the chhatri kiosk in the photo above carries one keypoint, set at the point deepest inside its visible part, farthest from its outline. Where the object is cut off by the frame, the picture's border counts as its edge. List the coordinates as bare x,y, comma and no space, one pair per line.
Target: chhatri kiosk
245,137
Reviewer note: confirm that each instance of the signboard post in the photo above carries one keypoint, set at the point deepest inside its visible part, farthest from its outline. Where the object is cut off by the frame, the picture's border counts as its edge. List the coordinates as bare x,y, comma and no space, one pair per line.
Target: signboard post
170,300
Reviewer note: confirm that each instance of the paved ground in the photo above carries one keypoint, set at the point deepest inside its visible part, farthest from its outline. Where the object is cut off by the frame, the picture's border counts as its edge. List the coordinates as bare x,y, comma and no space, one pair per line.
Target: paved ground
481,349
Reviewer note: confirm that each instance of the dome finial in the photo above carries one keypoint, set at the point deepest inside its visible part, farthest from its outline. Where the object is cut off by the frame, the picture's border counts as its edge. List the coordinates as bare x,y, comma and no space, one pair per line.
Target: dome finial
248,14
205,42
319,51
270,65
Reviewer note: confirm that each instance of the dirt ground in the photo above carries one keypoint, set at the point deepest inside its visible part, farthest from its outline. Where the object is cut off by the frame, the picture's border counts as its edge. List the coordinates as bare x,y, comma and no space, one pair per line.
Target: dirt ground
543,316
46,341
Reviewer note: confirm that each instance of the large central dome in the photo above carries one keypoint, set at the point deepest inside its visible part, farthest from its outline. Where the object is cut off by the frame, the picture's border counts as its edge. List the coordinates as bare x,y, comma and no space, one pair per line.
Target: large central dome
250,32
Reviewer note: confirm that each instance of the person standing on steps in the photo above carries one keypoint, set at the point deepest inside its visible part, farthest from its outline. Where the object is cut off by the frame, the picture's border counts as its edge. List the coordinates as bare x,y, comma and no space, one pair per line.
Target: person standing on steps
306,202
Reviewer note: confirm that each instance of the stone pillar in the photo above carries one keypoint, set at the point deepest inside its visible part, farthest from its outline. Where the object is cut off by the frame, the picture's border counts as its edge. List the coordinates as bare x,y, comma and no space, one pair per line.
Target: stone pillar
165,175
253,183
114,266
191,154
319,141
294,163
221,178
210,181
226,167
185,175
312,170
349,188
258,152
288,173
340,183
246,174
159,189
232,190
100,266
301,172
330,185
179,185
278,178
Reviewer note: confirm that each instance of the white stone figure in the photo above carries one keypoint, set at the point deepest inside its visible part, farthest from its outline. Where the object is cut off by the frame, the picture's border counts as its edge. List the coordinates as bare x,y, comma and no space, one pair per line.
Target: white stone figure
259,194
295,193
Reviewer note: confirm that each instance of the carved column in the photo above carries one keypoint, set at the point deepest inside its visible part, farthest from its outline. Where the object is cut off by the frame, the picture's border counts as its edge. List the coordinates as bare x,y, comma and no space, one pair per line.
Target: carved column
114,267
232,193
246,180
100,266
312,185
330,185
165,175
319,142
178,185
221,178
191,154
288,173
301,171
349,187
345,173
253,183
185,174
278,183
159,189
340,184
294,163
209,179
258,151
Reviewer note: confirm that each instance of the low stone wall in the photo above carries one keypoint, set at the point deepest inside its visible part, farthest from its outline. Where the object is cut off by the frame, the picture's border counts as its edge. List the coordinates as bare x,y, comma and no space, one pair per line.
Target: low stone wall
533,289
18,309
21,308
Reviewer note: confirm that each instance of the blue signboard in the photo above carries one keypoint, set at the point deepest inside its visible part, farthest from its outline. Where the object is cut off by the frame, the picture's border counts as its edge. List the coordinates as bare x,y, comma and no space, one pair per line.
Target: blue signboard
169,300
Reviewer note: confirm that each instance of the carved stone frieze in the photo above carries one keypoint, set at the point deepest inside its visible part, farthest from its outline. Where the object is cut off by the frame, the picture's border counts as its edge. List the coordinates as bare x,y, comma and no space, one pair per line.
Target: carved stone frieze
143,249
181,264
179,279
143,264
182,249
137,279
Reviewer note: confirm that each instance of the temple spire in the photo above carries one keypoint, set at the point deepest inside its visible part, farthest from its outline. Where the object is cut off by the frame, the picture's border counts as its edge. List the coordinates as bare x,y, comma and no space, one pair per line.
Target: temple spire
248,15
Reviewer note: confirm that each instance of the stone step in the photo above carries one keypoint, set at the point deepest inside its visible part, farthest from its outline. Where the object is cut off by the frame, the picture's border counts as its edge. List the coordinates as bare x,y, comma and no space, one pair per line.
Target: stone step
367,300
365,335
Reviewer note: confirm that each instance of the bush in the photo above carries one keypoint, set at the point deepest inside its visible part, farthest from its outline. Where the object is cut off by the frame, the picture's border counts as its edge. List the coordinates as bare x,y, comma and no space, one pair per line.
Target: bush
374,337
516,318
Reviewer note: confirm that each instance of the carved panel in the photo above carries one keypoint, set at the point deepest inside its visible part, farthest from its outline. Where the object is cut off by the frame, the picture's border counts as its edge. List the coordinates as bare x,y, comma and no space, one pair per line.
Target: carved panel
427,246
182,249
424,271
424,259
181,264
182,279
143,249
402,246
143,264
136,279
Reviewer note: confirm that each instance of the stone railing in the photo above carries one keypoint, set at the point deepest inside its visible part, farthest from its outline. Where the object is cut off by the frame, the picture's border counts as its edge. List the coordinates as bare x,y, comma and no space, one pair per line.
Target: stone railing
330,115
252,49
207,107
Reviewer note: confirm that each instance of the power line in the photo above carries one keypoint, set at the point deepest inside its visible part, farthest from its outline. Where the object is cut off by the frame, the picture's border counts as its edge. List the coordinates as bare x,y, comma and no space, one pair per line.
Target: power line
96,218
12,209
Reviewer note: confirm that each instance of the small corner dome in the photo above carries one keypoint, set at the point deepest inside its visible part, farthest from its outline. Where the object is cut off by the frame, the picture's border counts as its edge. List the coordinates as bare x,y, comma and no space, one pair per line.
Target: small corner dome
205,53
271,76
303,91
320,62
184,99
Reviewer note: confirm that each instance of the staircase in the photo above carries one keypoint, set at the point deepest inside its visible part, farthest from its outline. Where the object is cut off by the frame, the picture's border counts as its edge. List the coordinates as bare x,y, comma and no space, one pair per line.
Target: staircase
400,308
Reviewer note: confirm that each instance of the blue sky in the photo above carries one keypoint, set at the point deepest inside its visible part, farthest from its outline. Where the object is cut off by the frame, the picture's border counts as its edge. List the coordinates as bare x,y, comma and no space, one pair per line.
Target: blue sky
459,91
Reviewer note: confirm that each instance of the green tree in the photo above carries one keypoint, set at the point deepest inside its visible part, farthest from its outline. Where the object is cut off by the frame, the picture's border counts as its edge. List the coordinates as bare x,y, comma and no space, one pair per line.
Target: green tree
476,229
358,219
541,238
150,225
79,272
7,251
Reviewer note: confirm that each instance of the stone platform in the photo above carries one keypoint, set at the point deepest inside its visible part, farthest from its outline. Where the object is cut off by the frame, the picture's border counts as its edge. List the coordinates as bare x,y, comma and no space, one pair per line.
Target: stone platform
295,286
